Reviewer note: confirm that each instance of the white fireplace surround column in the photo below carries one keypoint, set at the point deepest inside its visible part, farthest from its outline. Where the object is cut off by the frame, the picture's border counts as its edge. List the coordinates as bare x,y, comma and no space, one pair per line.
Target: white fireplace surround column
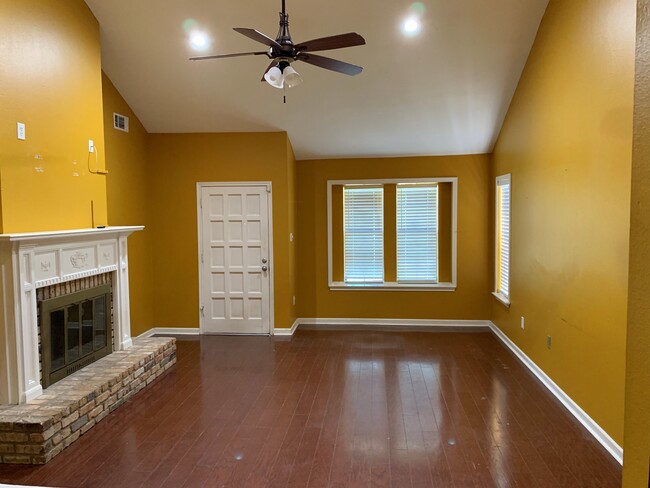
34,260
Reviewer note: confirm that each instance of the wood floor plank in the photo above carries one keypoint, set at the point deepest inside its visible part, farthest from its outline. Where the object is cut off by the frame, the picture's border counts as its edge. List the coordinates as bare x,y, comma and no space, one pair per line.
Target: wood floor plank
321,469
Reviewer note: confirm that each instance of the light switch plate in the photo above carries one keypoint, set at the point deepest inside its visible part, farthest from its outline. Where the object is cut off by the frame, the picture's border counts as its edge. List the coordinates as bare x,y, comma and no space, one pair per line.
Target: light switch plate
20,131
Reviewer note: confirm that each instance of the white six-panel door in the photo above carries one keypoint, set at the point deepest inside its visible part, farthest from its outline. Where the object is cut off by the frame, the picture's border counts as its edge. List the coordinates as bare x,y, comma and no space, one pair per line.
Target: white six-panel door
235,276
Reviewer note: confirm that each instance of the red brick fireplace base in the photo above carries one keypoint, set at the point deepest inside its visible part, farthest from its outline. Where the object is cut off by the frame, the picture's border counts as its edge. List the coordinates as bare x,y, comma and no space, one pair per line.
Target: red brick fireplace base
35,432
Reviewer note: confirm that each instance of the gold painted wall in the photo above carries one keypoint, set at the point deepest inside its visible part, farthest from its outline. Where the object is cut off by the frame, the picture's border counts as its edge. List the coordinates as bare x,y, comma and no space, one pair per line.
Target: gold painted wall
127,190
567,140
390,233
445,214
637,391
292,212
177,162
469,301
50,79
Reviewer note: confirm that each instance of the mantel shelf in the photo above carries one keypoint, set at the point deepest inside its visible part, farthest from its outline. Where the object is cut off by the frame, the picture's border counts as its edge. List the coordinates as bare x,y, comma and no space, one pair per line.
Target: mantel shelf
59,234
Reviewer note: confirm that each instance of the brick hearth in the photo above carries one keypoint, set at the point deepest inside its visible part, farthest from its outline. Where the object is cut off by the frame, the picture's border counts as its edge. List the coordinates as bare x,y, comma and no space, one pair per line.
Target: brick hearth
35,432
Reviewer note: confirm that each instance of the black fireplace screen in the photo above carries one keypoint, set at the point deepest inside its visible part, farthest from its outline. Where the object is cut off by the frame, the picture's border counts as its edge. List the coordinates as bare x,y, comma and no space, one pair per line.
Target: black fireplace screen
75,331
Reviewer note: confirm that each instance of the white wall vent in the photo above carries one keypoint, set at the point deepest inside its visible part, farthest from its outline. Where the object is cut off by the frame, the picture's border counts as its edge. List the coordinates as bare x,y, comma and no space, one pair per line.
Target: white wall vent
120,122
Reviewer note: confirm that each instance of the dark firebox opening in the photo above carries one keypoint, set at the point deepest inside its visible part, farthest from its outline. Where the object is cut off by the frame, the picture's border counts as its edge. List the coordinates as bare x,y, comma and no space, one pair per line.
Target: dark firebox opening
75,331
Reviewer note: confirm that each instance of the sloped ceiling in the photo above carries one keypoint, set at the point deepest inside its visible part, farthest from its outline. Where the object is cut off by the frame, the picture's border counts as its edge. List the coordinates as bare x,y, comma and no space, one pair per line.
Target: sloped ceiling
445,91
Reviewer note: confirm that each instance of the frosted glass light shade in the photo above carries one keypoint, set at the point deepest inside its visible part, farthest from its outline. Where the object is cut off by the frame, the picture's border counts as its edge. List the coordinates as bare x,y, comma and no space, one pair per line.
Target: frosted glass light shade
274,77
291,77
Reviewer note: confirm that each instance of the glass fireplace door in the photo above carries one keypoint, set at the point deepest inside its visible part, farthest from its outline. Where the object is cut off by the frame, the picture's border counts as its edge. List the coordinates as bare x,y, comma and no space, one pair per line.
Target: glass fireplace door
75,331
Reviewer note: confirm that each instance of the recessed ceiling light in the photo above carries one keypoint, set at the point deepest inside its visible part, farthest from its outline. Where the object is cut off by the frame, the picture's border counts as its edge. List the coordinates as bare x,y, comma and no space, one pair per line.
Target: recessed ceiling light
199,40
411,26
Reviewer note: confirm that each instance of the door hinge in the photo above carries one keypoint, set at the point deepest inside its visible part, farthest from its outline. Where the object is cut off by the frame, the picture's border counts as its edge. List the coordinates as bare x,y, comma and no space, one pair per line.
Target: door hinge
201,258
201,203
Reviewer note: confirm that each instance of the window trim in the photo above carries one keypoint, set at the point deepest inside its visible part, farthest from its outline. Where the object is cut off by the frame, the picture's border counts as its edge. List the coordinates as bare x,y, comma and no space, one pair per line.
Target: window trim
501,180
386,286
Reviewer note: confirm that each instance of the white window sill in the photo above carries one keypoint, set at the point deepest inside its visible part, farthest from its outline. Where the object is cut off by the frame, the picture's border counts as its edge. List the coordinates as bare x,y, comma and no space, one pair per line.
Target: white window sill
392,286
502,298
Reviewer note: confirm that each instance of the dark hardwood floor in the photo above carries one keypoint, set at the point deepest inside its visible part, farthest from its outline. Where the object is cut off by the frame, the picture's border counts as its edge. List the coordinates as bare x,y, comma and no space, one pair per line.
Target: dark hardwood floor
338,409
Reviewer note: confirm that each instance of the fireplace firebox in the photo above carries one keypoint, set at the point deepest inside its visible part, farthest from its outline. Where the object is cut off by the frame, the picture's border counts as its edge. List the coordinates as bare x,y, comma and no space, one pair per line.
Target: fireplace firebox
76,330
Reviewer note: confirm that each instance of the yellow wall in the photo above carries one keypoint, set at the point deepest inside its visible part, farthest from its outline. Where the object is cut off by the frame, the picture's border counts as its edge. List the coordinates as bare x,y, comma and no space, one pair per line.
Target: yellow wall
469,301
445,223
637,392
127,189
567,141
293,213
178,162
390,232
338,238
50,79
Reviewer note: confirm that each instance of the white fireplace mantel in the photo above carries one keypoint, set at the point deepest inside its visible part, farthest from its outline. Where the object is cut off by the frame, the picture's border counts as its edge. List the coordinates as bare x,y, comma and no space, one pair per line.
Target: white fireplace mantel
33,260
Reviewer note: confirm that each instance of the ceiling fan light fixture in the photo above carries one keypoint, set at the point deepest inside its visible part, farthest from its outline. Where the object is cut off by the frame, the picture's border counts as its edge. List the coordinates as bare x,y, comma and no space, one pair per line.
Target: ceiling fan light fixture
291,77
274,77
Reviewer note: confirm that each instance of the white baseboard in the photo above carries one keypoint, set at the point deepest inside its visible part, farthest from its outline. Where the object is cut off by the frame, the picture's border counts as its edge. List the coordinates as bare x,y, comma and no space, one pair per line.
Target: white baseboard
16,486
287,332
147,333
596,430
460,324
169,331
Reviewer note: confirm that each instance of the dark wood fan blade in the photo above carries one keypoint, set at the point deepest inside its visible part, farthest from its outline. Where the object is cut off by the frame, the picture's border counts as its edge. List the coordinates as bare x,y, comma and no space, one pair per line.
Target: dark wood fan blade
275,62
333,42
331,64
257,36
219,56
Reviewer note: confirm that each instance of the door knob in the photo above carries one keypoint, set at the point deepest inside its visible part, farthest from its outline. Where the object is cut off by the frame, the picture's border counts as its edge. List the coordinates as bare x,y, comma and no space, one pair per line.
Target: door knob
263,260
264,268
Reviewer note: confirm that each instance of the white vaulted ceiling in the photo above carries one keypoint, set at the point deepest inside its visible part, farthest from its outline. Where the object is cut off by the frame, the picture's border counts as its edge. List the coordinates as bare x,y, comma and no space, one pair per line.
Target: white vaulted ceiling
445,91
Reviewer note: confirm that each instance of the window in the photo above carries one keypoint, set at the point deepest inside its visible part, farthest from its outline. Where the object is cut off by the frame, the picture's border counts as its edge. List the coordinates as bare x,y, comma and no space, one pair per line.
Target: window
392,234
502,244
363,231
417,233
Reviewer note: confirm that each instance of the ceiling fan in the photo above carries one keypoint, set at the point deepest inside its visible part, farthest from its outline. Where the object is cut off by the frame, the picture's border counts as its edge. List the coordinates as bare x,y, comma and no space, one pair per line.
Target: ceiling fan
283,51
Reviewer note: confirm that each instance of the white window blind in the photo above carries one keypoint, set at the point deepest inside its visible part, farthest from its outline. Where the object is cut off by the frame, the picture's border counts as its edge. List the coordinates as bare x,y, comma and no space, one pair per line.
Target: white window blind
503,236
363,234
417,233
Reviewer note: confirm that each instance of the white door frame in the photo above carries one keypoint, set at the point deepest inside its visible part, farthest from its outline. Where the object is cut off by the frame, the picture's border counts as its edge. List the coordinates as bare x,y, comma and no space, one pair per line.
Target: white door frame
268,186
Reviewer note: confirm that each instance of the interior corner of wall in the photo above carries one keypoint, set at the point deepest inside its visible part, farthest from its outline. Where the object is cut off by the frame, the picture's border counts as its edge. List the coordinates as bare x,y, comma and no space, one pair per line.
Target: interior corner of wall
1,211
291,156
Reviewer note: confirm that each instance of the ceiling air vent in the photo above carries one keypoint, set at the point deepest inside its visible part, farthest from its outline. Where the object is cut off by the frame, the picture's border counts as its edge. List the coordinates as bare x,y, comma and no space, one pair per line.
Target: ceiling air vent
120,122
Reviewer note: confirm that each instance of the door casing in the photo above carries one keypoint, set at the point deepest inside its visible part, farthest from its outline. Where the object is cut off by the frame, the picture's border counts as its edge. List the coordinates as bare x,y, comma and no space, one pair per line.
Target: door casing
269,192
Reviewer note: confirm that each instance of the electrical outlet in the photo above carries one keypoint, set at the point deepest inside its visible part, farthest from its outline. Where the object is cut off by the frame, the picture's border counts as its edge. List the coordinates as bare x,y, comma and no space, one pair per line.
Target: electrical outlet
294,299
522,323
20,131
91,146
548,342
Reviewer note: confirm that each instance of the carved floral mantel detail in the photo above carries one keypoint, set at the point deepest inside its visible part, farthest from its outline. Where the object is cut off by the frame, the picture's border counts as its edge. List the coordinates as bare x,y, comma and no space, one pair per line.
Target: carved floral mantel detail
79,259
31,261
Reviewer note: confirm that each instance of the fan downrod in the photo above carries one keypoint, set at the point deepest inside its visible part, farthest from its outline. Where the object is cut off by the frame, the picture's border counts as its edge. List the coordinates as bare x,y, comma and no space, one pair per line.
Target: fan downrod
284,37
